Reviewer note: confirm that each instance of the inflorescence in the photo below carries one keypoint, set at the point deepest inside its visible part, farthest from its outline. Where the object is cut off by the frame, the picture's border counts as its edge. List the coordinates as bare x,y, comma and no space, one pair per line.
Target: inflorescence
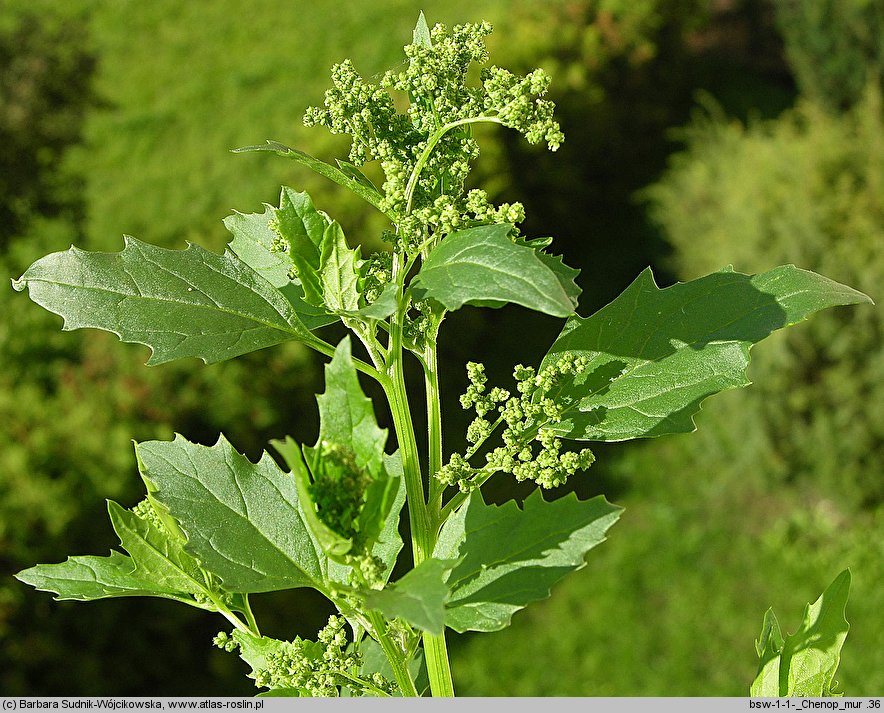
318,668
425,152
530,450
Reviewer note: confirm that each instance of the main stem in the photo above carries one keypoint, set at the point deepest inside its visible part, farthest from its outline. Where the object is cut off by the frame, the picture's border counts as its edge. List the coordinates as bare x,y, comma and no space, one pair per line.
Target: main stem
423,518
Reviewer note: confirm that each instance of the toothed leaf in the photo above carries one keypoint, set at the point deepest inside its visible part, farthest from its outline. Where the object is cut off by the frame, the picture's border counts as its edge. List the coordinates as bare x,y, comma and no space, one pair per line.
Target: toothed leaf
88,578
339,176
654,355
418,597
510,557
257,245
158,556
243,520
338,272
301,230
180,303
804,663
482,266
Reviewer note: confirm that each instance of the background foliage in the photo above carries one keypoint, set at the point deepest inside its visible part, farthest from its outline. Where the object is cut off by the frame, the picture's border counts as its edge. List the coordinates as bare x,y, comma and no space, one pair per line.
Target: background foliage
117,118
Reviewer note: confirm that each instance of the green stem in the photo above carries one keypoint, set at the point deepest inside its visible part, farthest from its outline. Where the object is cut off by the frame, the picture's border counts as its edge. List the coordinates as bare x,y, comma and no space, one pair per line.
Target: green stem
436,655
362,682
434,423
250,616
460,497
435,648
394,655
324,347
428,150
423,528
229,615
394,387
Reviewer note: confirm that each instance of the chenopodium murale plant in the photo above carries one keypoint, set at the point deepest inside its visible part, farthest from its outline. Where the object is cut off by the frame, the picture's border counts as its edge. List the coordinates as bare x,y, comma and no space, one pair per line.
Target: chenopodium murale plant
216,528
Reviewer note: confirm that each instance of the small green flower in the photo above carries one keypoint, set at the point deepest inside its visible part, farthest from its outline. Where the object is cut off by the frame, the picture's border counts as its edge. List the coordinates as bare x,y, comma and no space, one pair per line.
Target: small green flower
531,450
428,198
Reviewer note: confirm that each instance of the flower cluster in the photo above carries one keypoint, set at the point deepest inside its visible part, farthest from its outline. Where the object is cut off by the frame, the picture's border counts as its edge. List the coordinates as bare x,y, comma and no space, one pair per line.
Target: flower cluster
145,511
339,491
338,488
530,450
318,668
426,151
375,273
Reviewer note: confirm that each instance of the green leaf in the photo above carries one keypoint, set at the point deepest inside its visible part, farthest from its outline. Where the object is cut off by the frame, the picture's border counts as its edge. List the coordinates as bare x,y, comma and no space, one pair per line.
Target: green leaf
347,425
158,557
654,355
389,543
157,566
253,242
283,693
386,304
88,578
180,303
483,266
805,661
243,520
347,420
769,646
356,174
339,271
257,652
357,186
511,557
418,598
421,34
334,545
303,228
564,274
374,660
346,414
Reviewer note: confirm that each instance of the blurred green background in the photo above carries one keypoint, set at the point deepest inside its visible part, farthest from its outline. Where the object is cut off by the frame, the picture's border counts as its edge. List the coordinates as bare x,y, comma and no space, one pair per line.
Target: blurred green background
699,134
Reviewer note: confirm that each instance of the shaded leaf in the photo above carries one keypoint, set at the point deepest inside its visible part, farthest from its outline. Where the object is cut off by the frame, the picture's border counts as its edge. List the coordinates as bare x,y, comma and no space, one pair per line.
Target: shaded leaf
347,423
303,229
806,660
253,240
347,426
257,651
418,598
243,520
180,303
89,578
334,545
374,660
389,543
157,556
510,557
483,266
386,304
369,194
654,355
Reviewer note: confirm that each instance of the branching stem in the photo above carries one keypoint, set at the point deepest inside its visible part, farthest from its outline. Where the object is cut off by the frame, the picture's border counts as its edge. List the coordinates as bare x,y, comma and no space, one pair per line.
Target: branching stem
434,139
394,655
